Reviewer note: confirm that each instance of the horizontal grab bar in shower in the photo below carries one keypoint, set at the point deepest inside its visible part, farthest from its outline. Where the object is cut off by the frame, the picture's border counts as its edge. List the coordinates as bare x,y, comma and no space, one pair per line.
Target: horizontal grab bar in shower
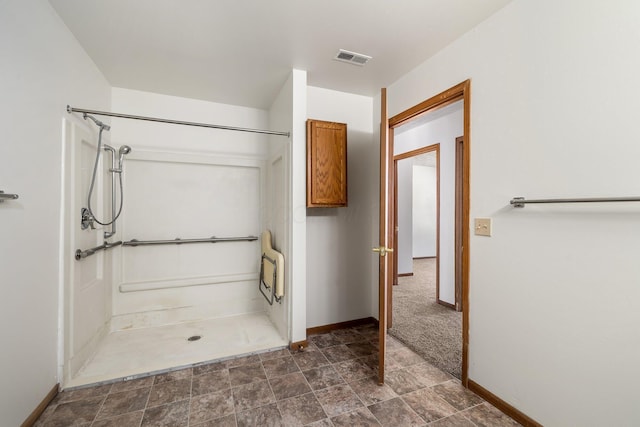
519,202
179,241
106,245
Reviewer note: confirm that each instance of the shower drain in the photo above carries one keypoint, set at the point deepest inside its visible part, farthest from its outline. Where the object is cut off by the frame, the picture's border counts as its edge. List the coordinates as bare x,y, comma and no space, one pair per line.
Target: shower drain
194,338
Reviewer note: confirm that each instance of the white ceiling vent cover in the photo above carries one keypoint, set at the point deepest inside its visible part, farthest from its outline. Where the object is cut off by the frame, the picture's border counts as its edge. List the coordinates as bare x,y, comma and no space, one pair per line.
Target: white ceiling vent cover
352,57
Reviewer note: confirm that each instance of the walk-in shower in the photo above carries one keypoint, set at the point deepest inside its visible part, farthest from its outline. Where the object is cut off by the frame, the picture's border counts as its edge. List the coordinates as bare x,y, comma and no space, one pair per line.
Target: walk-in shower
185,261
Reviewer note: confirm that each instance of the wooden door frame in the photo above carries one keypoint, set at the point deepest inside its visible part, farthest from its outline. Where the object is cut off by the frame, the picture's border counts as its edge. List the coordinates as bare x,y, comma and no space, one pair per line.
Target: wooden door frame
459,225
384,269
461,91
423,150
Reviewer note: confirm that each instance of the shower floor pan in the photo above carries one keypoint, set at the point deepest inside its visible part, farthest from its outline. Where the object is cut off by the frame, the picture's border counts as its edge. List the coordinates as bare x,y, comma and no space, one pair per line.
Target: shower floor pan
136,352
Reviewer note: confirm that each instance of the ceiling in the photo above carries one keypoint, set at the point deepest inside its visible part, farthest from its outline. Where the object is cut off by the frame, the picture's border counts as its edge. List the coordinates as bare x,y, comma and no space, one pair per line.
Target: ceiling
241,51
426,159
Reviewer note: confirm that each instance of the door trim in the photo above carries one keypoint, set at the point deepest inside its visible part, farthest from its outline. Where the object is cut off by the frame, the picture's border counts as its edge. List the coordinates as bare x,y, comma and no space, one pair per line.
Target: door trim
459,225
461,91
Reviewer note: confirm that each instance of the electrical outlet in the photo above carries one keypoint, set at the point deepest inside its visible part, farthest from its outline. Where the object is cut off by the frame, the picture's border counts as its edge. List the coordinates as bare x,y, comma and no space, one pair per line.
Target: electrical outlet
482,227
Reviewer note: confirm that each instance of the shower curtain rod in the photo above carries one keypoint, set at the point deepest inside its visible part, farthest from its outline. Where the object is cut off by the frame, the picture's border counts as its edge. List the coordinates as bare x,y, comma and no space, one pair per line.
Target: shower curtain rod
174,122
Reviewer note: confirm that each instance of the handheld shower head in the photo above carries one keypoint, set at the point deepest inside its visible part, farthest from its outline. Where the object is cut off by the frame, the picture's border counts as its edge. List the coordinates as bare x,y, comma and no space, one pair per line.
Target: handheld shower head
125,149
97,122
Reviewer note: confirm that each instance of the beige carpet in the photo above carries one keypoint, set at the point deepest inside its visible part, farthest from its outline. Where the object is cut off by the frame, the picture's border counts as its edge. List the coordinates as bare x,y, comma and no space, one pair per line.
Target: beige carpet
430,329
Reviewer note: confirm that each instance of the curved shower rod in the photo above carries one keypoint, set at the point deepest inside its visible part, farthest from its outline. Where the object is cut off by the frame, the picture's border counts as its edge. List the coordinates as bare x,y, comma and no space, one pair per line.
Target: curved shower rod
175,122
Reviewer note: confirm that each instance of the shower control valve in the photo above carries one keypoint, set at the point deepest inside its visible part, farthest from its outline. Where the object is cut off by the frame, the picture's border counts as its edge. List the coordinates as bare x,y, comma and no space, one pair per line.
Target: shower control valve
86,219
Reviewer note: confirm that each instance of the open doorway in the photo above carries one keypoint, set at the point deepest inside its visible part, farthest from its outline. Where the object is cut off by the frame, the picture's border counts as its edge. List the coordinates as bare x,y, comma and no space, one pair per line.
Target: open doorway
426,301
416,210
388,125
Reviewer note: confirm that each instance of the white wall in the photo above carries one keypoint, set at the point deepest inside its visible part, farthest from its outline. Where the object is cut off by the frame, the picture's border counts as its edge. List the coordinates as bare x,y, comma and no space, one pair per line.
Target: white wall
190,183
280,206
424,217
43,69
404,245
554,295
439,127
286,219
339,253
296,220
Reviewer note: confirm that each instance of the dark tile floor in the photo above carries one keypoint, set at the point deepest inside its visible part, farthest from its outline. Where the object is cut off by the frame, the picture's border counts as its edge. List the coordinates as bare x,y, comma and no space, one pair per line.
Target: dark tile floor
331,383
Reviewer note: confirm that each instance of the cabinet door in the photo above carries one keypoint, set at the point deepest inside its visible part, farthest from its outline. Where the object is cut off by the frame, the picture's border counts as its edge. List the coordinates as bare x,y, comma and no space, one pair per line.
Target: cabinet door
326,164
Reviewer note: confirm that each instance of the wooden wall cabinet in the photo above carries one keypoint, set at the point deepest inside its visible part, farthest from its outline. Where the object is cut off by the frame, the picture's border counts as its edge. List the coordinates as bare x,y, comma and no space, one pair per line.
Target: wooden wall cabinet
326,164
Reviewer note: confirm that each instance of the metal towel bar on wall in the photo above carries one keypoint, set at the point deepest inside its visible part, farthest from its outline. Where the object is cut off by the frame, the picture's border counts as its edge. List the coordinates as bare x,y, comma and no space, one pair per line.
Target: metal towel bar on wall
7,196
519,202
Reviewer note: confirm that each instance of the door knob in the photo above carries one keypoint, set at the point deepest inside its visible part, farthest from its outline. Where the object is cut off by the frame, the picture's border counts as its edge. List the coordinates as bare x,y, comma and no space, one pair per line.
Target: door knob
382,250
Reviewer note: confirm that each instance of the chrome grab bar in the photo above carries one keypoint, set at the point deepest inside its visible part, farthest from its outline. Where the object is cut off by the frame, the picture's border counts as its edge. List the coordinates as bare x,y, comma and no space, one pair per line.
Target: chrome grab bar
519,202
179,241
7,196
80,254
88,252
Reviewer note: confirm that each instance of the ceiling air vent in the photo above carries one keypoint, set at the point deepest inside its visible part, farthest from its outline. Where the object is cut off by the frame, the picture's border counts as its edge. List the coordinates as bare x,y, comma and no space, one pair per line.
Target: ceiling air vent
352,57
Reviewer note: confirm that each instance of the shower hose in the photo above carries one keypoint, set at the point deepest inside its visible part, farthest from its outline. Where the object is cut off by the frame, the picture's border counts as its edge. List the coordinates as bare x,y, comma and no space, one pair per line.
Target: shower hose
93,180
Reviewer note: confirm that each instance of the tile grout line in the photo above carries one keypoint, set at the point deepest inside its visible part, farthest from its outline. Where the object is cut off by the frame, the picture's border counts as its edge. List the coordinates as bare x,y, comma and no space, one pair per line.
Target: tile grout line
190,397
100,408
400,396
470,407
271,388
233,400
457,411
366,408
443,400
147,402
292,397
235,411
364,404
233,403
313,391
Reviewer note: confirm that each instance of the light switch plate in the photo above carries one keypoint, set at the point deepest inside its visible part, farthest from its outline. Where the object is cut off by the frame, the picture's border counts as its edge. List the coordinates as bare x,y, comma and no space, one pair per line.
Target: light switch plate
482,227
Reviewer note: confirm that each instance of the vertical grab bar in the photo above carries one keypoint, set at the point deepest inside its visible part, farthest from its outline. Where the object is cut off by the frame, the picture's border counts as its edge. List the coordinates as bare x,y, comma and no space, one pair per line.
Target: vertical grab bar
108,234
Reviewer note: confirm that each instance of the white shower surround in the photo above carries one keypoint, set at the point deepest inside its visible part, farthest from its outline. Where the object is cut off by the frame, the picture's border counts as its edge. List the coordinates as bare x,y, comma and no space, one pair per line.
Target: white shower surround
170,195
188,183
